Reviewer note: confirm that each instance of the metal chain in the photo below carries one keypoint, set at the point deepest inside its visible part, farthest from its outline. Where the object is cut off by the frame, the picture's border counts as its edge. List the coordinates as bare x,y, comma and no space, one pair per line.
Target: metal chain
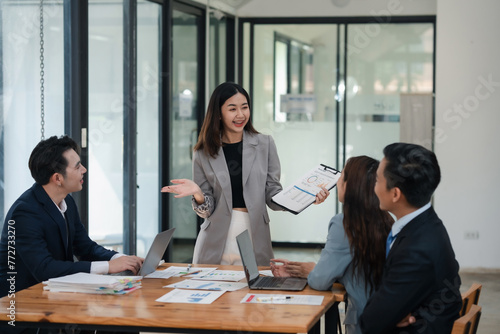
42,73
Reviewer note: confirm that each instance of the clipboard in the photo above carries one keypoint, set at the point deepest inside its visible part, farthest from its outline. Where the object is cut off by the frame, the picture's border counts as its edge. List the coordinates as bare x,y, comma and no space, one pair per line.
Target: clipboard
302,193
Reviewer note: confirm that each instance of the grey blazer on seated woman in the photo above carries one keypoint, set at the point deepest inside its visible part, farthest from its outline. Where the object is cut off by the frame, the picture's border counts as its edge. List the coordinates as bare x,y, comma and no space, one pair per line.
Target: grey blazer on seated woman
335,264
261,181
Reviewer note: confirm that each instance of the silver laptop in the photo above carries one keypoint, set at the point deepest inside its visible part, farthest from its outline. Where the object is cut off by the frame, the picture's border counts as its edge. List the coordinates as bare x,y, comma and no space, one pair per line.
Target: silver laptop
154,255
252,271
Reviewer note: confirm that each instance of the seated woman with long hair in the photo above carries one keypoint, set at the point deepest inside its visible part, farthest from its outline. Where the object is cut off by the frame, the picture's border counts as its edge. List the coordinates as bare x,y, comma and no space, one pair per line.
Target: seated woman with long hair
354,252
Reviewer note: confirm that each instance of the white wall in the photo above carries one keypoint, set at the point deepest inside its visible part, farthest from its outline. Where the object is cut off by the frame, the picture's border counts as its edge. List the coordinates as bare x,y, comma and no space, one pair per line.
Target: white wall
303,8
467,120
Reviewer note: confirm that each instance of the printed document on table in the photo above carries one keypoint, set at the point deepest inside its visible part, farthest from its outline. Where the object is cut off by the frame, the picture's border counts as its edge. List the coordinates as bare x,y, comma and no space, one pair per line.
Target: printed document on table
207,285
180,271
223,275
266,273
252,298
302,193
190,296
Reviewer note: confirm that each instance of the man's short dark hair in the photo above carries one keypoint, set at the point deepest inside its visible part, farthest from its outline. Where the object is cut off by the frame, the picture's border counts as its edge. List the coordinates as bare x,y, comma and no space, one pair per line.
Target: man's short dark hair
414,170
47,158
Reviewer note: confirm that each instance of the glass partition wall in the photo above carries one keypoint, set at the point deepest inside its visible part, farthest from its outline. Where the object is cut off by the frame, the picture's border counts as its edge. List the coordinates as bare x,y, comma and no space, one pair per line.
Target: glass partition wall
348,79
184,124
134,137
149,24
297,62
398,59
105,131
109,117
23,78
348,76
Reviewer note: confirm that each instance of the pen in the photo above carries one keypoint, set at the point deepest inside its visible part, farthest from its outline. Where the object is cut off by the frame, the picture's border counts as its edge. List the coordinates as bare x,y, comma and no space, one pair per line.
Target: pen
191,273
270,299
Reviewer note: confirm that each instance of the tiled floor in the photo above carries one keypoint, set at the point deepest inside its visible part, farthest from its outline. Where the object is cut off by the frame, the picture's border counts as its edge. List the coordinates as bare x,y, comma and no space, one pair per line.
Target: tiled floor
489,299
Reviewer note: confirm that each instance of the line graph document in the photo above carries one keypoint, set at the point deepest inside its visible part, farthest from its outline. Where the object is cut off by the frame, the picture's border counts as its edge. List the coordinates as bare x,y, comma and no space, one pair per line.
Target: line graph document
302,193
223,275
207,285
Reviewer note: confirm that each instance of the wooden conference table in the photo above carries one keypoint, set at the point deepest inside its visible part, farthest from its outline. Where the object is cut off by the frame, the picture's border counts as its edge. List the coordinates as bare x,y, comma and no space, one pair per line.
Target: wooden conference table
138,310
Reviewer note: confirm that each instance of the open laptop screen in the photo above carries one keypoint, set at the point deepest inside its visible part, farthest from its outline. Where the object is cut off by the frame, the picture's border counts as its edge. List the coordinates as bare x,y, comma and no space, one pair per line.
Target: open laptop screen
156,252
247,256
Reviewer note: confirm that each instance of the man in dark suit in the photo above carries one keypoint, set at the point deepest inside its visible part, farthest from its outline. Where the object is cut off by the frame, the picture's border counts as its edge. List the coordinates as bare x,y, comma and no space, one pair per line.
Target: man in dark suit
42,231
419,292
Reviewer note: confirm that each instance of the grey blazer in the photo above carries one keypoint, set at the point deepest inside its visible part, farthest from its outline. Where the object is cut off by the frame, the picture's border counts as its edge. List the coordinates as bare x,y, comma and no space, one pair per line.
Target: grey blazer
261,181
335,264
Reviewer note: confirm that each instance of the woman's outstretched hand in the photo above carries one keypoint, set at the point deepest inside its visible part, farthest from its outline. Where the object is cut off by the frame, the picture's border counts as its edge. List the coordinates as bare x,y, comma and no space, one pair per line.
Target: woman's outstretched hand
183,188
299,269
291,268
278,268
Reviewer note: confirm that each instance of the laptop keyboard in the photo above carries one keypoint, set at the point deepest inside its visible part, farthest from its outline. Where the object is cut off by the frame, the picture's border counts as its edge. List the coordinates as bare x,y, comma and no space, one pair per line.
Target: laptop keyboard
269,281
124,273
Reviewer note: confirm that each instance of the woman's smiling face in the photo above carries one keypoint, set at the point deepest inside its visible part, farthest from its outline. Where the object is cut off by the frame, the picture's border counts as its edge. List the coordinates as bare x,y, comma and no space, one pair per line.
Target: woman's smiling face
235,115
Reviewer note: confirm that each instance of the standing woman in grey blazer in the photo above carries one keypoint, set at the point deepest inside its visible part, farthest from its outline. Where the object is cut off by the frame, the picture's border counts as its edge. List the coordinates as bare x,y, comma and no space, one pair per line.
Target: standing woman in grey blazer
354,252
236,172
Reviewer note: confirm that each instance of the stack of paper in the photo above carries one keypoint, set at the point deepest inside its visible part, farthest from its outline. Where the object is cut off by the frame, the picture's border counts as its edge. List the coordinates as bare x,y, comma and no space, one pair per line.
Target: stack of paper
91,283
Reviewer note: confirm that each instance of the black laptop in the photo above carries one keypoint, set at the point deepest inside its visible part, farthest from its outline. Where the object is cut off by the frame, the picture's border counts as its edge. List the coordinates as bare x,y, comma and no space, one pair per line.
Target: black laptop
252,271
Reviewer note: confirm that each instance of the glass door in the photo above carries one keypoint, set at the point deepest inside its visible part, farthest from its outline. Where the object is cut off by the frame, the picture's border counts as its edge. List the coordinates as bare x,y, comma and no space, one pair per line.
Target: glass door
148,112
20,89
110,112
105,123
297,62
187,99
398,60
355,75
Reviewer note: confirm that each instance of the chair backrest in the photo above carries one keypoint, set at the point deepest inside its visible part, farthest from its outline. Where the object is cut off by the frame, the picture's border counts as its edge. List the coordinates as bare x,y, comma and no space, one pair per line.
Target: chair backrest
467,324
470,297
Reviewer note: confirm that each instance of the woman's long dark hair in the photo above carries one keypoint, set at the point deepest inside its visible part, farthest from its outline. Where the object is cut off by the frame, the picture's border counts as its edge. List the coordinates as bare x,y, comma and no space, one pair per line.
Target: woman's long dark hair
212,129
365,224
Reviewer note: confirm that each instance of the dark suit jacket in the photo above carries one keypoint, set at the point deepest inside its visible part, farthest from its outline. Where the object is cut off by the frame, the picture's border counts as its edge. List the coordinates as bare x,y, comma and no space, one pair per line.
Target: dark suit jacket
35,232
420,276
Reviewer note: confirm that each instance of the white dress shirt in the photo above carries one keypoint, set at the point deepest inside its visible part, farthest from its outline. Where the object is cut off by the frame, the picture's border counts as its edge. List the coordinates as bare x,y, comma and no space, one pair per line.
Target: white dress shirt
96,267
403,221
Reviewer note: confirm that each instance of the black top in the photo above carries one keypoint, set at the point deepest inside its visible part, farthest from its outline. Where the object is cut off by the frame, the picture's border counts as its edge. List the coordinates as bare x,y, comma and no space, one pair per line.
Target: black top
234,156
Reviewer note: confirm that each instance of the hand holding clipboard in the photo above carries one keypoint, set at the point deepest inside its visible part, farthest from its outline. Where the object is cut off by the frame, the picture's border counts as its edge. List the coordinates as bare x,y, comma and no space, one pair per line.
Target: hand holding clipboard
302,193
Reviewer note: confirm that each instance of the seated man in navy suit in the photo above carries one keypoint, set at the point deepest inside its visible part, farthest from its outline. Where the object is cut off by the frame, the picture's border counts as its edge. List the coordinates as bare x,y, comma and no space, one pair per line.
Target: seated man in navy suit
419,292
43,226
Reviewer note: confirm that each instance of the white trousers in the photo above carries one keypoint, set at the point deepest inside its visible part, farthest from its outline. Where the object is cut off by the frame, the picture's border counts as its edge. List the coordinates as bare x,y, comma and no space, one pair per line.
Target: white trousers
240,221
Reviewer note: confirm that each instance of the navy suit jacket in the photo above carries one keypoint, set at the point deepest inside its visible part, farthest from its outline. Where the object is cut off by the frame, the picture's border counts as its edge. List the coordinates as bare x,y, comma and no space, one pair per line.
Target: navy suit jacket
35,245
420,276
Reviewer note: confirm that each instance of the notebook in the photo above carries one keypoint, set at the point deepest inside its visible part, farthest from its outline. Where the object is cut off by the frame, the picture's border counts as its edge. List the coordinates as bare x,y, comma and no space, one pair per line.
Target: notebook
252,271
154,255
